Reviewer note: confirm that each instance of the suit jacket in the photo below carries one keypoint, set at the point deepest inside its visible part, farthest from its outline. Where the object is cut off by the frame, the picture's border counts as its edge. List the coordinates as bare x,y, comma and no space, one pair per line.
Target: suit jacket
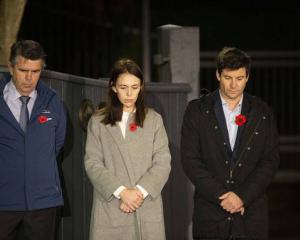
214,169
141,158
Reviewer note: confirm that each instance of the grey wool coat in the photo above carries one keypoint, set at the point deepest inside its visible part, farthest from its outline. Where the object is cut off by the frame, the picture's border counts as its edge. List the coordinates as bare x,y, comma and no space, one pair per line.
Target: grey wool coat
141,158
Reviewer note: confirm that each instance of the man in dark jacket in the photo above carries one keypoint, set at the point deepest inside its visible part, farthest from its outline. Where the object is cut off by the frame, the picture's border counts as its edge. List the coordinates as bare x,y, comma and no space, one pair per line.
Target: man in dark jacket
32,132
229,150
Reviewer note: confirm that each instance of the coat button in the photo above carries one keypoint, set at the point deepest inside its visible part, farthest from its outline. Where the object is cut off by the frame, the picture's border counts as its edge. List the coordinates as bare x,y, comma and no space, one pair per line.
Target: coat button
256,133
229,218
248,148
226,162
224,143
264,117
227,181
240,165
207,112
232,182
216,127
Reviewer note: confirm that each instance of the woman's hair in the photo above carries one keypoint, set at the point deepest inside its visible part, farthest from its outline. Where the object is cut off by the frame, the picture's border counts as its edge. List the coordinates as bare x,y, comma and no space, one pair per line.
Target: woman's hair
114,109
233,58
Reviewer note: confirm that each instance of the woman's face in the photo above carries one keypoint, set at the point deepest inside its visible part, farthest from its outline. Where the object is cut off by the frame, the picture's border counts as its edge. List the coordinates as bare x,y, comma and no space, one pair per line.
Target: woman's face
127,89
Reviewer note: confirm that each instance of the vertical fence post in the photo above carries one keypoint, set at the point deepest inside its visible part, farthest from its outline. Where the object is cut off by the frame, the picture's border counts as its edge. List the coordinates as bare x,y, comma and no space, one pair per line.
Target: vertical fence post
178,57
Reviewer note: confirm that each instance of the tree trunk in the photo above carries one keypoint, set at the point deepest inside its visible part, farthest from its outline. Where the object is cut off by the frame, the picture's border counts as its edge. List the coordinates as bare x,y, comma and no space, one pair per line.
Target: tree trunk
11,12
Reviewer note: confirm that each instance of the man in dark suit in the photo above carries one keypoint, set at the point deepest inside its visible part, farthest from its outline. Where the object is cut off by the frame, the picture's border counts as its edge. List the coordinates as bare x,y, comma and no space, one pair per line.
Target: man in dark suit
229,149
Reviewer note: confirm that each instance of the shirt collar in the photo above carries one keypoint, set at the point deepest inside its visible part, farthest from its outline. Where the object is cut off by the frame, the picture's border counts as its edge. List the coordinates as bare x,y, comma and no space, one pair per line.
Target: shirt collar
224,103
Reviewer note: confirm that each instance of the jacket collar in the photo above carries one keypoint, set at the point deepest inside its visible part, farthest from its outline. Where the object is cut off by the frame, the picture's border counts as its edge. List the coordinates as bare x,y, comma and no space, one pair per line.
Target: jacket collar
242,134
5,111
44,95
221,120
214,103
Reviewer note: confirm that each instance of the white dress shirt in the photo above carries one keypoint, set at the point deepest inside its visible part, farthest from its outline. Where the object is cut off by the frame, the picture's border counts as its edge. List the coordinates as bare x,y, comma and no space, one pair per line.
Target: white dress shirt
11,97
230,115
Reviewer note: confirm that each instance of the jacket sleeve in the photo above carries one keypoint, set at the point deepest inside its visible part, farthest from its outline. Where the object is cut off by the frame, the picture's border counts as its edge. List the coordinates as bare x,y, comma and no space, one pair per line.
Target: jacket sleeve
257,182
195,168
103,180
60,130
156,176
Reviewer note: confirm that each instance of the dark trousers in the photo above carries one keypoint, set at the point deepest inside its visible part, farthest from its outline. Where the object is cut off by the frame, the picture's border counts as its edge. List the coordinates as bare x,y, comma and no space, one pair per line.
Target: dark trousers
28,225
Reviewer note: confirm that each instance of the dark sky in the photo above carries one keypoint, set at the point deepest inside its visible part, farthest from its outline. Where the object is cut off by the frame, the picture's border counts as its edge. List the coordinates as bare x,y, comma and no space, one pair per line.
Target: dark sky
85,37
251,25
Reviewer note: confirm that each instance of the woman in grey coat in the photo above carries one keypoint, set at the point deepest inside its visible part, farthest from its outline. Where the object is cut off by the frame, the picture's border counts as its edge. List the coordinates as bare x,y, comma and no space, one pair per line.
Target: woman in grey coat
128,161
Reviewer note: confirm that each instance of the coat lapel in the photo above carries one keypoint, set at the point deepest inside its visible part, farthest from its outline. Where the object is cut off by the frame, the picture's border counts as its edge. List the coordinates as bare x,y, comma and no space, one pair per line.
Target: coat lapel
7,114
218,109
214,118
246,130
37,108
41,101
116,134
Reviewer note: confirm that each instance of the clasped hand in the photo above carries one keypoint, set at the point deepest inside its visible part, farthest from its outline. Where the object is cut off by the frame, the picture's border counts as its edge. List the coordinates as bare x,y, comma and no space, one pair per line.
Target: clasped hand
132,199
232,203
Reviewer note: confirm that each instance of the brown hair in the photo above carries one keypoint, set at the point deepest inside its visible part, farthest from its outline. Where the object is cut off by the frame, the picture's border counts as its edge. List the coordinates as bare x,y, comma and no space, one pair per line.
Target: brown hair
114,109
233,58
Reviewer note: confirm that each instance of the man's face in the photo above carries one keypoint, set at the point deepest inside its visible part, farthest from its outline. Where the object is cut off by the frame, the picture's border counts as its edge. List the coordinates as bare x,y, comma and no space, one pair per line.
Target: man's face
232,83
25,74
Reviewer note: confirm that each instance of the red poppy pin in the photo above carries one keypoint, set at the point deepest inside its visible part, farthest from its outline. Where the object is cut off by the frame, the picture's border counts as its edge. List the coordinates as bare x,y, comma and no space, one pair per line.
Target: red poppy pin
240,120
133,127
42,119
